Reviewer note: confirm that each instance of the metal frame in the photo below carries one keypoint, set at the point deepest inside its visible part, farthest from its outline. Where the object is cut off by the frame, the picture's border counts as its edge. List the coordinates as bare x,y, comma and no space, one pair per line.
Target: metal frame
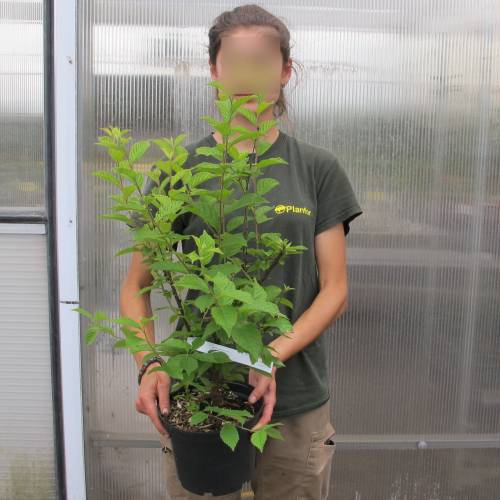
65,261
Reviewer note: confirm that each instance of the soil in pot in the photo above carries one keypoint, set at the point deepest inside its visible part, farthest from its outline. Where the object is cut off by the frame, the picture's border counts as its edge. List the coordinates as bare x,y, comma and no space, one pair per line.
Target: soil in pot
205,464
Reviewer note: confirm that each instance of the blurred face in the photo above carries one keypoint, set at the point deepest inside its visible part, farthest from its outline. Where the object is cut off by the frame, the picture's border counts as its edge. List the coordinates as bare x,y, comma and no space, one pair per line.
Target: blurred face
250,61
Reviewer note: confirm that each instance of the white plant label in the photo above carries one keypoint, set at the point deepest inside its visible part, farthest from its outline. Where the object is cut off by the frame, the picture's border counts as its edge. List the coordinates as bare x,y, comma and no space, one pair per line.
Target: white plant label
239,357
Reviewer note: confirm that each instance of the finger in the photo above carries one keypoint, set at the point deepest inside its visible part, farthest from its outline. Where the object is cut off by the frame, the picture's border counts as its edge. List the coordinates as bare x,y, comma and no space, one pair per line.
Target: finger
259,389
164,397
266,414
151,411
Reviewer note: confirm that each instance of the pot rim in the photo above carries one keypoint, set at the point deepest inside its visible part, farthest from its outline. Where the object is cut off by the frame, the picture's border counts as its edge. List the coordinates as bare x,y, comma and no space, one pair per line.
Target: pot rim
258,405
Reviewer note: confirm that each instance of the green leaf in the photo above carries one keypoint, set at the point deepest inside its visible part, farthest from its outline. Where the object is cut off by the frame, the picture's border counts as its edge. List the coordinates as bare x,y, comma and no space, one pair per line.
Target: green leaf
126,250
224,106
83,312
216,84
173,343
265,184
90,335
179,139
229,434
202,302
225,316
126,322
192,281
232,243
119,217
243,201
173,367
267,162
210,151
188,363
100,316
229,412
201,177
263,106
234,223
237,103
247,336
107,176
138,150
227,269
217,357
259,438
249,115
168,265
198,417
274,433
116,154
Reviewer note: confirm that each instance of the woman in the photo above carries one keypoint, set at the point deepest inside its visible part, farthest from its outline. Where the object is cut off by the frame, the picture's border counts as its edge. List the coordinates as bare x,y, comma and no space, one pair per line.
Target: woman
314,204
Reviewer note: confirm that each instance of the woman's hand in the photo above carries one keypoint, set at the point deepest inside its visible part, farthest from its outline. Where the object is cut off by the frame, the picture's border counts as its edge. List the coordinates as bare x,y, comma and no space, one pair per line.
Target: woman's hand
264,386
154,387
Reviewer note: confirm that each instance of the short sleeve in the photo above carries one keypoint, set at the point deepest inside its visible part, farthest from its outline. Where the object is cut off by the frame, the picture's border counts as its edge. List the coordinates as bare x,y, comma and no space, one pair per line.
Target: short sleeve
335,197
136,221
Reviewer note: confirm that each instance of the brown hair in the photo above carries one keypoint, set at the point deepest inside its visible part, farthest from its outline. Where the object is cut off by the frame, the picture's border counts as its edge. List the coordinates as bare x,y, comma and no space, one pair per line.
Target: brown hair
251,15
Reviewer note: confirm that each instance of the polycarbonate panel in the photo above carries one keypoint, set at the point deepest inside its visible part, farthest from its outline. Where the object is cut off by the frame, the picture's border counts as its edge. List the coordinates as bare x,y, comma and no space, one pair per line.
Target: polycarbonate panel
27,465
117,476
21,108
406,94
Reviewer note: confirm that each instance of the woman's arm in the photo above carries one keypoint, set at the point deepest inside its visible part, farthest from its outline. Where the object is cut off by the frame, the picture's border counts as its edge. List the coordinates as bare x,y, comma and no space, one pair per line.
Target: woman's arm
331,301
137,306
154,386
329,304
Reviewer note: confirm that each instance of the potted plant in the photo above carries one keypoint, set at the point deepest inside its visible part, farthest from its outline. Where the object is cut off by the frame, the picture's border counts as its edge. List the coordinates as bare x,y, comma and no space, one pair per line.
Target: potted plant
210,420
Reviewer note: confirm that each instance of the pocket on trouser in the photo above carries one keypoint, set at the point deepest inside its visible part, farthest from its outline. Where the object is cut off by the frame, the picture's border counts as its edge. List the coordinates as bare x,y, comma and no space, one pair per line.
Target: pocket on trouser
316,484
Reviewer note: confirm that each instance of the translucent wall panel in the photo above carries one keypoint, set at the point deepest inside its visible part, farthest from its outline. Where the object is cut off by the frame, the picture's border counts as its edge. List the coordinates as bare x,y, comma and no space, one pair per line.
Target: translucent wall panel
27,465
21,107
406,94
27,469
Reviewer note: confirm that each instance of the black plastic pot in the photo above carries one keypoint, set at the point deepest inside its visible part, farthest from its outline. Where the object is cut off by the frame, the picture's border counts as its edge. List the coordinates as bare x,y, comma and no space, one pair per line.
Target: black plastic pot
205,464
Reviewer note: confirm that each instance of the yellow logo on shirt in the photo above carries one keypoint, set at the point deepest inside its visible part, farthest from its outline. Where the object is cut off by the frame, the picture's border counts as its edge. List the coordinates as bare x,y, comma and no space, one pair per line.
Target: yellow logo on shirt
280,209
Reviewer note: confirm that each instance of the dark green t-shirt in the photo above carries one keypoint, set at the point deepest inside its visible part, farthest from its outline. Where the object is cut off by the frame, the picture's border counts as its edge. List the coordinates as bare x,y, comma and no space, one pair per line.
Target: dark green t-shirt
314,194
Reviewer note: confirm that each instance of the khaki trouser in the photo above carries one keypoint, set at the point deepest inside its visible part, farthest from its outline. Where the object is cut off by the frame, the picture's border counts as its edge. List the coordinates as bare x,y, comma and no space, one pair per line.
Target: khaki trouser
296,468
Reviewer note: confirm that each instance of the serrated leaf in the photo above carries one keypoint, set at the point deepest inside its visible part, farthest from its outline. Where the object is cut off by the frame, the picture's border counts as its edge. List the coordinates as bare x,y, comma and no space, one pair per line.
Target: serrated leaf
126,250
107,176
179,139
224,107
172,343
265,184
188,363
124,321
118,217
225,316
267,162
116,154
229,434
90,335
203,301
232,243
138,150
274,433
192,281
259,438
210,151
168,265
198,417
247,336
249,115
